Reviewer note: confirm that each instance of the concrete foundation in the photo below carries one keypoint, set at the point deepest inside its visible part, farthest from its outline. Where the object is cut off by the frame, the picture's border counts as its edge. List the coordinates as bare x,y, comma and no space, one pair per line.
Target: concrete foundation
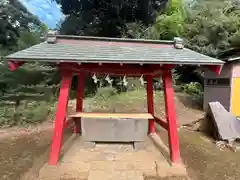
110,161
114,130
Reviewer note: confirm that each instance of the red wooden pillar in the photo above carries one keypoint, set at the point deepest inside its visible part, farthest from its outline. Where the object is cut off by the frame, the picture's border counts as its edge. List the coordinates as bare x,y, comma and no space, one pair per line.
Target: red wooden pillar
60,117
171,116
79,106
150,103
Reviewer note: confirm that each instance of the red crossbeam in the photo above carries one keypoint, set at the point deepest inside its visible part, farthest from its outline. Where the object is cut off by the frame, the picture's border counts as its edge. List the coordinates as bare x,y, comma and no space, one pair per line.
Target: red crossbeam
215,68
14,65
113,69
161,122
108,68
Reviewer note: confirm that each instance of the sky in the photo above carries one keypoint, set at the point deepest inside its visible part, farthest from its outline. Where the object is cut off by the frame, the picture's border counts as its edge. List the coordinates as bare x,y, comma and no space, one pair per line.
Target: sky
47,11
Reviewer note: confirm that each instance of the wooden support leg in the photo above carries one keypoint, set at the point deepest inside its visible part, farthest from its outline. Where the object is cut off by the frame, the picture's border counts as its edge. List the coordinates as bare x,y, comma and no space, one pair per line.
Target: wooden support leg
60,118
79,106
150,103
171,116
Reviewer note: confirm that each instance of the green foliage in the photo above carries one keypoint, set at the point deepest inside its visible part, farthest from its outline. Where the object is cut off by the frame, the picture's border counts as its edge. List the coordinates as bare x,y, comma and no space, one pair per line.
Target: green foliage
176,76
14,18
36,112
27,112
23,93
212,26
208,27
28,82
167,25
106,92
170,24
107,18
29,91
193,88
27,39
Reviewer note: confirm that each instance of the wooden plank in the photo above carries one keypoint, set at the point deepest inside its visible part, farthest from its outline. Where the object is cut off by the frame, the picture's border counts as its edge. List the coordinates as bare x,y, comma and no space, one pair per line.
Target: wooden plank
111,115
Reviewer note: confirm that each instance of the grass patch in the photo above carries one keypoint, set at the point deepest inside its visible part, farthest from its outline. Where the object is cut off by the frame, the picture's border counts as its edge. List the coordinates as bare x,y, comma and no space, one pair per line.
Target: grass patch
26,113
109,101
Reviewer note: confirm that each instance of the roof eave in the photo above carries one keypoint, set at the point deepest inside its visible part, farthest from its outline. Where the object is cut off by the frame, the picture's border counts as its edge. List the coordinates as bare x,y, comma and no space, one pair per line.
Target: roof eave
126,61
233,59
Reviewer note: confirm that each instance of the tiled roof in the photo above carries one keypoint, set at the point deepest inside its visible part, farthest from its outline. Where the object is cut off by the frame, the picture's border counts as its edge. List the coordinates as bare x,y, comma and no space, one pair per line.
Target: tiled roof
111,50
229,55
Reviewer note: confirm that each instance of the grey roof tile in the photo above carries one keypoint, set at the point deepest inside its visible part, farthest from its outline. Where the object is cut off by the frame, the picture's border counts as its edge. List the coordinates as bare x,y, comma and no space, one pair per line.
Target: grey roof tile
106,50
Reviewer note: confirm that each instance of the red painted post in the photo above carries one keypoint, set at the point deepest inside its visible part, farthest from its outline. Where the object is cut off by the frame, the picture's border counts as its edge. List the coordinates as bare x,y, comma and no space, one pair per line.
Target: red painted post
150,102
60,118
79,106
171,116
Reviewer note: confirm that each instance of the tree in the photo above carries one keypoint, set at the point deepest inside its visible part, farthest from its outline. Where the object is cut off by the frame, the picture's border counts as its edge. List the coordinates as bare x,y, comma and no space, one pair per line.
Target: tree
8,25
14,18
212,26
171,24
107,17
32,83
167,25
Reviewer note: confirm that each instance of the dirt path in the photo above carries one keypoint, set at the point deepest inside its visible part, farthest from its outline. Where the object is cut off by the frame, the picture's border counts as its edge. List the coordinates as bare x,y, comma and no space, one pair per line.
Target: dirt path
19,147
25,149
207,162
204,161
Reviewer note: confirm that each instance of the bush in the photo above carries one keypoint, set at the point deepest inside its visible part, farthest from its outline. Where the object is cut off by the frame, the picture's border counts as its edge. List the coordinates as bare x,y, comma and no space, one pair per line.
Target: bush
196,91
193,88
106,92
26,113
36,112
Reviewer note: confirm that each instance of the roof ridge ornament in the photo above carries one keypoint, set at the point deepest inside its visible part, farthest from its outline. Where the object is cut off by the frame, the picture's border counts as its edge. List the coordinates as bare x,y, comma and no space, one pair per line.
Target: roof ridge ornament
178,43
51,37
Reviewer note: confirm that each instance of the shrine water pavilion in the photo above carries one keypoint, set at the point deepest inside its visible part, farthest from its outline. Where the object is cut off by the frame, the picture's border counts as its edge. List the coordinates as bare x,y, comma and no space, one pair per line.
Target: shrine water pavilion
79,55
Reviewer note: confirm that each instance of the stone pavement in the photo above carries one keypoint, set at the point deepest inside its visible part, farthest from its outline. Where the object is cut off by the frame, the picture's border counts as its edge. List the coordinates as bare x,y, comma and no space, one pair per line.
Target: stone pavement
110,162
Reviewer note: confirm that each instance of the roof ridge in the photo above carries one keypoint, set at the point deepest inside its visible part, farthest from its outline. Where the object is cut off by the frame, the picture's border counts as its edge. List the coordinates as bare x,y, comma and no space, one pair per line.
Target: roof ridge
115,39
53,36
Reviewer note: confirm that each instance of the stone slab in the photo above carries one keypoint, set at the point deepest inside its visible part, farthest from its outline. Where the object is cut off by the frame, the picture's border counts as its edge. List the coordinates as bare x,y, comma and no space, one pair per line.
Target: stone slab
139,146
116,175
114,130
227,125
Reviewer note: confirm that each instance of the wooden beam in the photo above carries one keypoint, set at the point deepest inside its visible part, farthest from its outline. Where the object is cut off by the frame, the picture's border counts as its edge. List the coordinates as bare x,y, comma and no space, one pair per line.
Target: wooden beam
171,116
150,103
60,118
112,115
168,66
